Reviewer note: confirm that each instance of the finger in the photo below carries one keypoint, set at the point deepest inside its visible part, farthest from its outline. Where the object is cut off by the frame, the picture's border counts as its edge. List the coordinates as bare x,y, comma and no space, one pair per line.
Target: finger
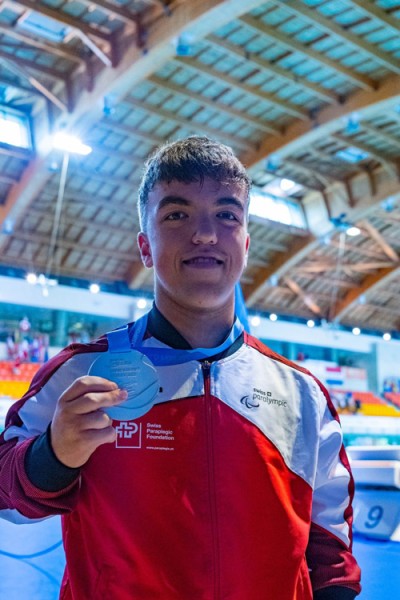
86,384
93,401
95,420
100,436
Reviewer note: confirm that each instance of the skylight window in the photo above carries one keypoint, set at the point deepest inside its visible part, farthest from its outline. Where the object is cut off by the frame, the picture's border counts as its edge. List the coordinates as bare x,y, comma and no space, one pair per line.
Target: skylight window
14,128
352,155
265,206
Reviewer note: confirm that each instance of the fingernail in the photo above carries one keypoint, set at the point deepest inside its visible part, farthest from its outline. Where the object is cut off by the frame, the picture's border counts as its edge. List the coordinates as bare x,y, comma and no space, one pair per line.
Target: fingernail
123,394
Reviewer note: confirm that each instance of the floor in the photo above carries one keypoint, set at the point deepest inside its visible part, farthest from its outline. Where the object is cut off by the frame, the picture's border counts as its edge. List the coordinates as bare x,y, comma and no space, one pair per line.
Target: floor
32,562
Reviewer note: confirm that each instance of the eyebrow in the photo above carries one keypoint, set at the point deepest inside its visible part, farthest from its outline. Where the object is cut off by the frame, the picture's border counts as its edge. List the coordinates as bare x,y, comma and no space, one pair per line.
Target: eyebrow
224,201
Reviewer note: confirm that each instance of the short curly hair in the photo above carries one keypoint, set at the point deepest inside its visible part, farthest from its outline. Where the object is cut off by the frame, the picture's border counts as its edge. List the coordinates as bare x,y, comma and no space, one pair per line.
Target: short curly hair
188,160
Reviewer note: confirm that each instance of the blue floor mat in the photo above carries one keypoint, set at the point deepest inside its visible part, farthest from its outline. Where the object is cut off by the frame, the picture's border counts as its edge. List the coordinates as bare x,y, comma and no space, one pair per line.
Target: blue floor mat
32,563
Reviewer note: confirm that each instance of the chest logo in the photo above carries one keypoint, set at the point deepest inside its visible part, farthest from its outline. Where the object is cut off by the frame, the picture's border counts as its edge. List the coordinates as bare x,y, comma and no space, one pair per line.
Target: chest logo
252,401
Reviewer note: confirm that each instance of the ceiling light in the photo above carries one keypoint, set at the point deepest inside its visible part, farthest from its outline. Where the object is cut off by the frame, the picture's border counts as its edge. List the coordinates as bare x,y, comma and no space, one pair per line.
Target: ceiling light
310,323
141,303
94,288
287,184
356,331
353,231
387,337
273,317
255,321
31,278
70,143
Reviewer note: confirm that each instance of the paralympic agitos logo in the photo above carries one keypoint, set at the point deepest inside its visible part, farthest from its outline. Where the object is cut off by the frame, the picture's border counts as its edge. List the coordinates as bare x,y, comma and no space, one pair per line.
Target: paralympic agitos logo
253,401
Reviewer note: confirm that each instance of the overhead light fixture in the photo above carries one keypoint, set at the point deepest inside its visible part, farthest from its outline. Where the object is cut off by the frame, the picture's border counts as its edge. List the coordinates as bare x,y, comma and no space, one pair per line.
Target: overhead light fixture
341,224
141,303
287,184
310,323
70,143
356,331
387,337
255,321
94,288
353,231
41,280
273,317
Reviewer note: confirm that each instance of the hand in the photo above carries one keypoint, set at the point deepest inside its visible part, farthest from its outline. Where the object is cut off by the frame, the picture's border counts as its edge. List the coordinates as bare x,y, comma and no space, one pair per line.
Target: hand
79,424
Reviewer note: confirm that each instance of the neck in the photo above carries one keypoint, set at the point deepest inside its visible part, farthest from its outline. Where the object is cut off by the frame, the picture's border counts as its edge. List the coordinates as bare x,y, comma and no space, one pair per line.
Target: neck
201,327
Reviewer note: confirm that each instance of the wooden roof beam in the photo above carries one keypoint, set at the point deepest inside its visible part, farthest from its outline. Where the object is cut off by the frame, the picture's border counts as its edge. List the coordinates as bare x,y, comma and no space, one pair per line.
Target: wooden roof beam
329,121
63,17
286,107
382,157
40,265
306,298
30,64
308,86
211,103
115,10
59,51
334,30
379,239
282,262
371,282
199,17
373,10
293,45
324,178
234,141
356,249
385,135
79,222
71,245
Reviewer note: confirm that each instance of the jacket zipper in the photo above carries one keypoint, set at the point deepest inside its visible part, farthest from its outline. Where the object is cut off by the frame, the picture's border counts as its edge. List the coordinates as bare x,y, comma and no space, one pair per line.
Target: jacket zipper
206,368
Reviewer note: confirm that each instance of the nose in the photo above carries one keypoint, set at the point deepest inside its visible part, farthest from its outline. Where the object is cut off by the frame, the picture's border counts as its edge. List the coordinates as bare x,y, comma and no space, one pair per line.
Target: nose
205,232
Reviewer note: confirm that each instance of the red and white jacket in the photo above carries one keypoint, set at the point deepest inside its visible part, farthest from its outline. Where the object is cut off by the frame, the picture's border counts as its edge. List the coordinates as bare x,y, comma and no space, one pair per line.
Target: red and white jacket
235,486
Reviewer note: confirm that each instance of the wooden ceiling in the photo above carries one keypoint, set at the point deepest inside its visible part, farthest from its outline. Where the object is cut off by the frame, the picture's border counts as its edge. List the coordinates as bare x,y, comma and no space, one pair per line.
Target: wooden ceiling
291,85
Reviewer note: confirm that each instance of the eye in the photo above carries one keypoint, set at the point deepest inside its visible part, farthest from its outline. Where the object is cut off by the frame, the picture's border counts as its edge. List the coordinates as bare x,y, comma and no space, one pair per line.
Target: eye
175,216
227,215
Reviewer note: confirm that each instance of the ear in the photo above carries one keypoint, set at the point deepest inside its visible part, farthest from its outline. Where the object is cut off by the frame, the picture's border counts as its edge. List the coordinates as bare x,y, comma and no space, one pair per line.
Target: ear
144,249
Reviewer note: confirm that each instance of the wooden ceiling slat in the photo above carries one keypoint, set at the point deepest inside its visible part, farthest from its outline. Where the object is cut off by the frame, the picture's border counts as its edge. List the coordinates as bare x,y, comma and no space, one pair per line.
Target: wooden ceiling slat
373,10
212,103
63,17
379,239
293,45
234,141
286,107
67,54
323,94
333,29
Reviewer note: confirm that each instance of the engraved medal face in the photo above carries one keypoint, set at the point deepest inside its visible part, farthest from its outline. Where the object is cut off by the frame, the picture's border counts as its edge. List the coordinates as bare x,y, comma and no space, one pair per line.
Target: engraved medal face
133,372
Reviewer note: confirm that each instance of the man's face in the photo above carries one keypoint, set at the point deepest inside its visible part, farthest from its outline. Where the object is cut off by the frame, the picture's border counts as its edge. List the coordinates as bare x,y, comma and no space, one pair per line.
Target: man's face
197,242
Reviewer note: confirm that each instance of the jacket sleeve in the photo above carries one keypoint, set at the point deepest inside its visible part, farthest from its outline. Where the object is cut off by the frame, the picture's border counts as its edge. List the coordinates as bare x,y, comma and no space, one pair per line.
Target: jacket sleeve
33,483
333,569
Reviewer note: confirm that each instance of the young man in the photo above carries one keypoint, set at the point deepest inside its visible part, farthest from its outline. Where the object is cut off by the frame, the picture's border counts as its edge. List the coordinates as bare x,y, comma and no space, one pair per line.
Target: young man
234,484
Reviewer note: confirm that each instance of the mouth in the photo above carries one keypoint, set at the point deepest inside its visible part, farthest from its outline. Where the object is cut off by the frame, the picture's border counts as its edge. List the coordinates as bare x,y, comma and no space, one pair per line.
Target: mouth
203,261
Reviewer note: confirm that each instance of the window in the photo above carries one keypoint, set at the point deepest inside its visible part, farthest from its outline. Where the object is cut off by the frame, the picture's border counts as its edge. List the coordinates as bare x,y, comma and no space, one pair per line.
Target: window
14,128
